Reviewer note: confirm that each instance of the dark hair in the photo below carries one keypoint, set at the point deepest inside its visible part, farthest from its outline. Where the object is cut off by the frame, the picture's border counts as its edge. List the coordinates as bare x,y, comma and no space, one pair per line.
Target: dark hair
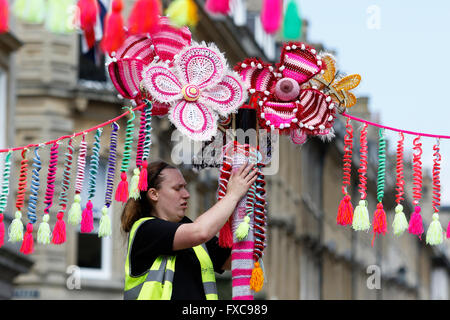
137,209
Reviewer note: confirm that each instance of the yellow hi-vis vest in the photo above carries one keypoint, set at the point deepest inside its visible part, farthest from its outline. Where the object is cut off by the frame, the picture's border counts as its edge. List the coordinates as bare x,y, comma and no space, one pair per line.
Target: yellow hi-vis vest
156,283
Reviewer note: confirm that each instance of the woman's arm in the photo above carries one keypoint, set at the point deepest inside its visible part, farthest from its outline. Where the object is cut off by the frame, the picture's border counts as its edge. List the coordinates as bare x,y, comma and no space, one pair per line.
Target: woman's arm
207,225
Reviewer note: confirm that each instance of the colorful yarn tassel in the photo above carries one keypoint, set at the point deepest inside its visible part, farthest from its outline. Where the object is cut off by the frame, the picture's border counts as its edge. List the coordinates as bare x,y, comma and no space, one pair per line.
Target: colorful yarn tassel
88,18
2,230
28,242
16,228
183,13
144,16
134,185
379,221
435,234
143,184
31,11
59,16
122,188
104,229
415,223
379,218
87,219
345,210
4,16
257,279
361,220
400,224
75,211
59,232
292,22
44,232
271,15
217,7
114,35
242,230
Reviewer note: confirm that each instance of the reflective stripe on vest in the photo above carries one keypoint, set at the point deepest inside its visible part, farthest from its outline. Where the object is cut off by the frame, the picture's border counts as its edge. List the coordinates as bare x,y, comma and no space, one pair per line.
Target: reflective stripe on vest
156,283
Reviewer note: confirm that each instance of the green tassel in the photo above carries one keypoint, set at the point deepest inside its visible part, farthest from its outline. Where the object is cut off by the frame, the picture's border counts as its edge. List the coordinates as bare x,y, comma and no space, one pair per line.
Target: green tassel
44,233
16,228
435,234
31,11
242,230
361,220
400,223
59,16
75,211
292,23
104,230
134,185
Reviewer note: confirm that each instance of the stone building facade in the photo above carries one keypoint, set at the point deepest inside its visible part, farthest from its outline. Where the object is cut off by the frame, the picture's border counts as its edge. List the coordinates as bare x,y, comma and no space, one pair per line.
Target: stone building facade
308,255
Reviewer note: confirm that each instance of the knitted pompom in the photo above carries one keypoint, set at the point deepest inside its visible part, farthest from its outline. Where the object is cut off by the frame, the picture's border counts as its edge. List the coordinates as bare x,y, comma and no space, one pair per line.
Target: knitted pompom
361,220
400,224
16,228
75,211
44,233
435,233
104,230
415,223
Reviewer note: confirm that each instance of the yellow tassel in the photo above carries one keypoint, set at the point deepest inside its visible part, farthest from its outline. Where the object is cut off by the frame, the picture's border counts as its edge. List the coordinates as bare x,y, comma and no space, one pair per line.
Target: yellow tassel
183,13
257,279
242,230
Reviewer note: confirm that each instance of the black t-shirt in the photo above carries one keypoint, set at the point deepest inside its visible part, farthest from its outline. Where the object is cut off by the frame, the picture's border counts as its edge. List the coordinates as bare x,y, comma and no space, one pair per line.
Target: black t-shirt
154,238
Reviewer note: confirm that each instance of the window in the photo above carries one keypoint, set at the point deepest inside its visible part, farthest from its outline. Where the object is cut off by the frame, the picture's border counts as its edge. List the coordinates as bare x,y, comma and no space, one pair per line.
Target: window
3,100
94,253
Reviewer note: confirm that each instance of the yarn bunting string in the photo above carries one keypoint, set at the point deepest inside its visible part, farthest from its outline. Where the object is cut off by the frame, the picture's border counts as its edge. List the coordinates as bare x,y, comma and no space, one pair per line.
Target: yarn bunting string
87,218
4,191
59,232
400,223
16,228
146,146
345,210
379,218
75,210
416,223
104,229
122,189
435,234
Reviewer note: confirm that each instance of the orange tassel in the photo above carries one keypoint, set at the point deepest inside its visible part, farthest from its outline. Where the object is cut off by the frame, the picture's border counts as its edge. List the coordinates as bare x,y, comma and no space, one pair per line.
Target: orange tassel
144,16
379,222
257,279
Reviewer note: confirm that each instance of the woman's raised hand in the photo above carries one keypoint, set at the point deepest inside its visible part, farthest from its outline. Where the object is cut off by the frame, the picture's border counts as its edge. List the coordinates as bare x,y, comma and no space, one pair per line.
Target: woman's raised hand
241,180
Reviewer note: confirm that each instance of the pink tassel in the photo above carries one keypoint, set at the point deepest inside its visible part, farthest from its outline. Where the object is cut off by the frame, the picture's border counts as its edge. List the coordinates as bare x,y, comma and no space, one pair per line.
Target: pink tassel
122,188
218,6
4,16
271,15
87,219
143,184
379,222
226,236
2,230
59,232
144,16
88,18
415,223
28,242
345,212
448,231
114,32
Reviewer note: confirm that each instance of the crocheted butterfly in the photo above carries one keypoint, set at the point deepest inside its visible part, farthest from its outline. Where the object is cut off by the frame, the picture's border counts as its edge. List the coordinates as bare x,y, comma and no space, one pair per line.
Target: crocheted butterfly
282,103
199,87
337,86
140,50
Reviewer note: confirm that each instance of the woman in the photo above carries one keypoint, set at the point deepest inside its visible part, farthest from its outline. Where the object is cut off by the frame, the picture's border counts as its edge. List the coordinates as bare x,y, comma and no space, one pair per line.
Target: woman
169,256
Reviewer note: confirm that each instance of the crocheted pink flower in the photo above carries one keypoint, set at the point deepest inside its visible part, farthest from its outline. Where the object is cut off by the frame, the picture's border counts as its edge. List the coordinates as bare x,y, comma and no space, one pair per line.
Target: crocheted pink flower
198,87
283,102
138,51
